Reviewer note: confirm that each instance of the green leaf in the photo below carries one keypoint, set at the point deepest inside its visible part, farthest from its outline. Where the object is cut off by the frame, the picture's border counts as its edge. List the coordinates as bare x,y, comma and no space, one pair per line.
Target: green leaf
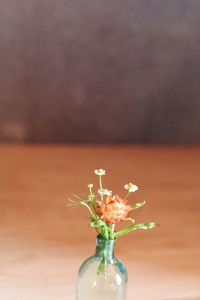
76,196
130,219
71,203
143,226
138,205
97,223
91,197
104,231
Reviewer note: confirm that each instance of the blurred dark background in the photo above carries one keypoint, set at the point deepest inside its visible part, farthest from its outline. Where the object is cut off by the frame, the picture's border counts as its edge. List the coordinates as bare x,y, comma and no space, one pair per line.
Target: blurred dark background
100,71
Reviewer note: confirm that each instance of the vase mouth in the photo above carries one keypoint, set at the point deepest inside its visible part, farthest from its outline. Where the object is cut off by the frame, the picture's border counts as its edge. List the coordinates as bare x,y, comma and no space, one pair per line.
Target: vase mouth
100,237
105,248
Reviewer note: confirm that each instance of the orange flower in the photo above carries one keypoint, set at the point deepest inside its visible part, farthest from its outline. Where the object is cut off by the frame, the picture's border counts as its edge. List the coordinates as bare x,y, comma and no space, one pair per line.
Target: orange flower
113,209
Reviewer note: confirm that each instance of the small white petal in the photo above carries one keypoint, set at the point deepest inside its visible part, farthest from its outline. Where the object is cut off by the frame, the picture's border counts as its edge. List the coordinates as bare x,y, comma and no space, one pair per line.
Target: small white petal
90,185
131,187
99,192
108,193
104,192
100,172
126,186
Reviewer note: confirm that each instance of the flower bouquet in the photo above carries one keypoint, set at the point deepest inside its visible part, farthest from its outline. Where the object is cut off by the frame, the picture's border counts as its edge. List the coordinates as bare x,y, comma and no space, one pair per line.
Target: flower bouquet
103,276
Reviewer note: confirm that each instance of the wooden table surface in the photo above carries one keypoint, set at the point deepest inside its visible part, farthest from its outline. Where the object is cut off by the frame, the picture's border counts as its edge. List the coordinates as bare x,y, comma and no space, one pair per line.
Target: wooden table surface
42,243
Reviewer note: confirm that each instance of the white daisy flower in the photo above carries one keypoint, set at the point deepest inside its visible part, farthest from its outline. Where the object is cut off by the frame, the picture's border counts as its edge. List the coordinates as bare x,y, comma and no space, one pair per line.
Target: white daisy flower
90,185
104,192
131,187
100,172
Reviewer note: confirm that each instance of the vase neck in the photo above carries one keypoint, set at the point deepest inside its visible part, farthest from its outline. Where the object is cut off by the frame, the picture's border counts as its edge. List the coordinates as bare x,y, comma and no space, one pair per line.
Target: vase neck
104,248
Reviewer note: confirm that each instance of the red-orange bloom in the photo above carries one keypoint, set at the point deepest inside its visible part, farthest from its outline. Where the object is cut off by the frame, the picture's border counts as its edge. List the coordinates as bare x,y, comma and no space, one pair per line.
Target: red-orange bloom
113,210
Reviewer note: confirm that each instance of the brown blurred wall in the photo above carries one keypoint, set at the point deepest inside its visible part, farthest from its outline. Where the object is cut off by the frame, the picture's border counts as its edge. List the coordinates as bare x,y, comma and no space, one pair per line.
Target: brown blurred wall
100,71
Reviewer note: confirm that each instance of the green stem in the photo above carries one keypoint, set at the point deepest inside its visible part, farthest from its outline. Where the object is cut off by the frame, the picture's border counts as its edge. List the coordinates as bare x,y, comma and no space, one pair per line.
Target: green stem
112,231
103,265
127,195
100,181
84,204
100,185
143,226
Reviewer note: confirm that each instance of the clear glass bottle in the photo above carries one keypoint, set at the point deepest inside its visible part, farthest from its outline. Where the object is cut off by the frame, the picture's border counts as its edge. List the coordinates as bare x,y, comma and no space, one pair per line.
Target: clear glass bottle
102,276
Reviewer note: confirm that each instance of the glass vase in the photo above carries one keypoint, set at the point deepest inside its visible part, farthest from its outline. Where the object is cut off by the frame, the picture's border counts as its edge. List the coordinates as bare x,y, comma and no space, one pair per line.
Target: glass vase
102,276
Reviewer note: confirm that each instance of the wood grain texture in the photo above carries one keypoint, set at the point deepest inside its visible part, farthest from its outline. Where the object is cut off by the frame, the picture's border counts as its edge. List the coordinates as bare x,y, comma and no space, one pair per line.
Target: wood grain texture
42,243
